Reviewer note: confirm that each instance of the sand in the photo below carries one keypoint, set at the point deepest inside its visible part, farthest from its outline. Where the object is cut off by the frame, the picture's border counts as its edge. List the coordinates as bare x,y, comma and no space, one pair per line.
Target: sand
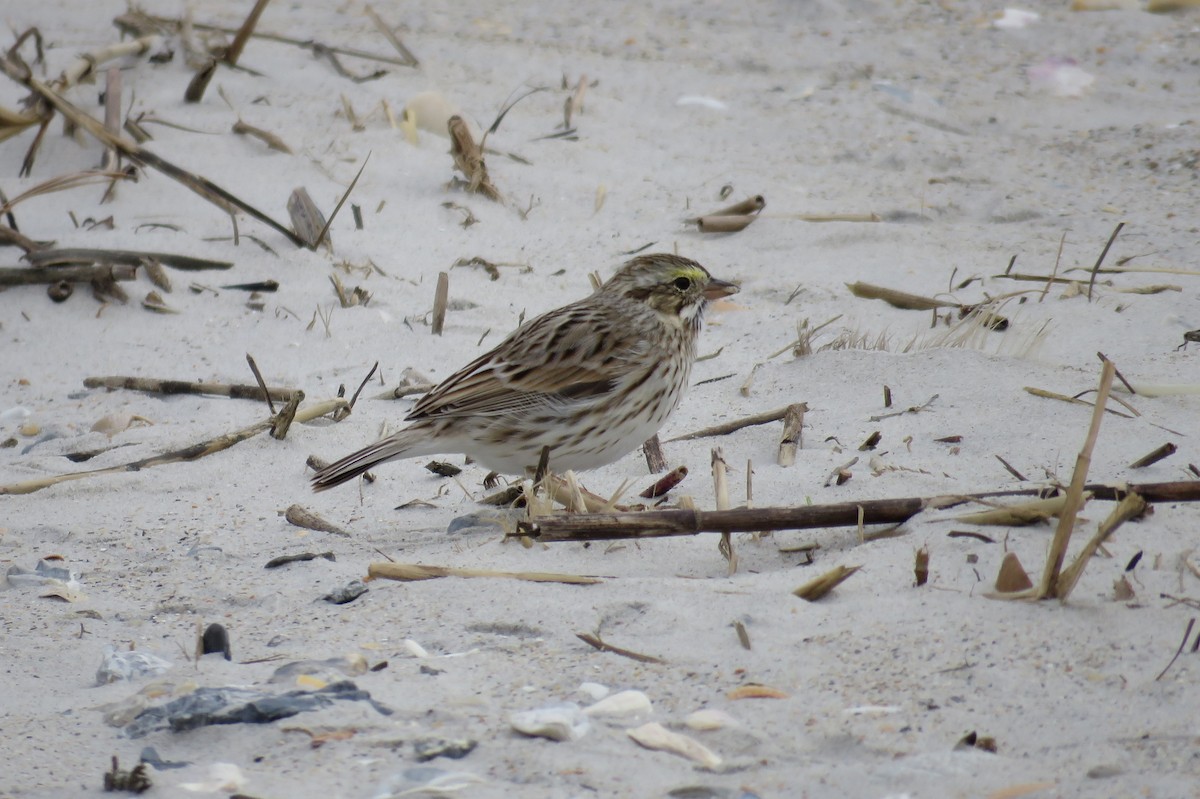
951,130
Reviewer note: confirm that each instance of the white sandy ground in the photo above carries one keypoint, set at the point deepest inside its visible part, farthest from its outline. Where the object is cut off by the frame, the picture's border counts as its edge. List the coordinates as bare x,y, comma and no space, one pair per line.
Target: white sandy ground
921,113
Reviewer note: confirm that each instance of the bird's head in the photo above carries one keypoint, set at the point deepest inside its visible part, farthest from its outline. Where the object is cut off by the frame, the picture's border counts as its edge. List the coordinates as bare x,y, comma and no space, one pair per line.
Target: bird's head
671,285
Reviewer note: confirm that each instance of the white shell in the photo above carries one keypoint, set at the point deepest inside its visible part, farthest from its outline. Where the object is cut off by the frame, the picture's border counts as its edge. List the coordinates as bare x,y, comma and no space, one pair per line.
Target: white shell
431,111
594,690
415,649
710,719
624,703
560,722
656,736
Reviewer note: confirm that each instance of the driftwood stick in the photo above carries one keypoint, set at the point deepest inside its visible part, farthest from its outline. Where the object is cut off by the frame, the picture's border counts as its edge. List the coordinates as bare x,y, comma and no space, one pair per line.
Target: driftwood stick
29,276
78,255
152,386
194,452
665,523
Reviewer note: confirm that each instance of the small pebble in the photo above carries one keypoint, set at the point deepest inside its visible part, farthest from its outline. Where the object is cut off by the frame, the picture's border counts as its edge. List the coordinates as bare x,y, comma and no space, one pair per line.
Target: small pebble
347,593
453,748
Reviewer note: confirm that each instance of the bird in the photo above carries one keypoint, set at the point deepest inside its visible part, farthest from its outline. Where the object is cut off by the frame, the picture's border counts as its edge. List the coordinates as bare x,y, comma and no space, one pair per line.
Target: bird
591,380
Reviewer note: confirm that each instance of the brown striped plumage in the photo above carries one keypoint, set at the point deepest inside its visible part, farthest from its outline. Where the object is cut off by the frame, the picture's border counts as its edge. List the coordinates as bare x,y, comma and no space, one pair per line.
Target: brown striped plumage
592,380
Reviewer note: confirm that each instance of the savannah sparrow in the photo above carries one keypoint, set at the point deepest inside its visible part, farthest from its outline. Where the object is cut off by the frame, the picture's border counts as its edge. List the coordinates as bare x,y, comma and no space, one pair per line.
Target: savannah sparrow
591,380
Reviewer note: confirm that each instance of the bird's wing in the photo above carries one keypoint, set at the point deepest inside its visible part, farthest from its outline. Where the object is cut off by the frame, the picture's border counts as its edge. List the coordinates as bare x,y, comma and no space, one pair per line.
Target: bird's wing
570,354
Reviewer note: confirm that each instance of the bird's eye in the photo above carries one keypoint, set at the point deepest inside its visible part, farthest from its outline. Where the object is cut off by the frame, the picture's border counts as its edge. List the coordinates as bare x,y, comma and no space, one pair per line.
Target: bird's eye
683,283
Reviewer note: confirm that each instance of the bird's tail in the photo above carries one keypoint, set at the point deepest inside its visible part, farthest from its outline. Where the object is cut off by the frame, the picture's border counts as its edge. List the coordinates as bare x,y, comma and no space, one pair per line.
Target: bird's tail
403,444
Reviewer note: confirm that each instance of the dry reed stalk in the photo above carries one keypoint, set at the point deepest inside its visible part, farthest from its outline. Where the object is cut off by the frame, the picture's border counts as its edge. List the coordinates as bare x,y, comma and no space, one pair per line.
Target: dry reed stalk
137,21
840,475
283,420
898,299
921,566
792,438
468,159
1045,394
594,640
199,82
732,427
732,218
154,386
721,492
10,236
112,119
270,139
1154,456
74,180
441,298
413,572
1100,260
573,496
724,224
689,521
139,155
819,587
574,106
262,384
1131,507
194,452
656,461
390,34
1075,491
1017,515
665,484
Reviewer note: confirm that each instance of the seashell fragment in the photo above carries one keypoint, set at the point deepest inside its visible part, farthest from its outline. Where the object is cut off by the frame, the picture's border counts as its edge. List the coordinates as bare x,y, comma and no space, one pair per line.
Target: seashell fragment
656,736
709,719
559,722
624,703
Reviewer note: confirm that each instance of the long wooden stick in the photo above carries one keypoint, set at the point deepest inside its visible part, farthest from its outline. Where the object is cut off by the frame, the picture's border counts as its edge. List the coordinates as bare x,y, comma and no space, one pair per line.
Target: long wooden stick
26,276
153,386
664,523
80,255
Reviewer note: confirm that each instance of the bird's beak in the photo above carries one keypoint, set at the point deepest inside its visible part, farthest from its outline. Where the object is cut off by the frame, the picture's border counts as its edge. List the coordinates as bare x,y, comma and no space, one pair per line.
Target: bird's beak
716,289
